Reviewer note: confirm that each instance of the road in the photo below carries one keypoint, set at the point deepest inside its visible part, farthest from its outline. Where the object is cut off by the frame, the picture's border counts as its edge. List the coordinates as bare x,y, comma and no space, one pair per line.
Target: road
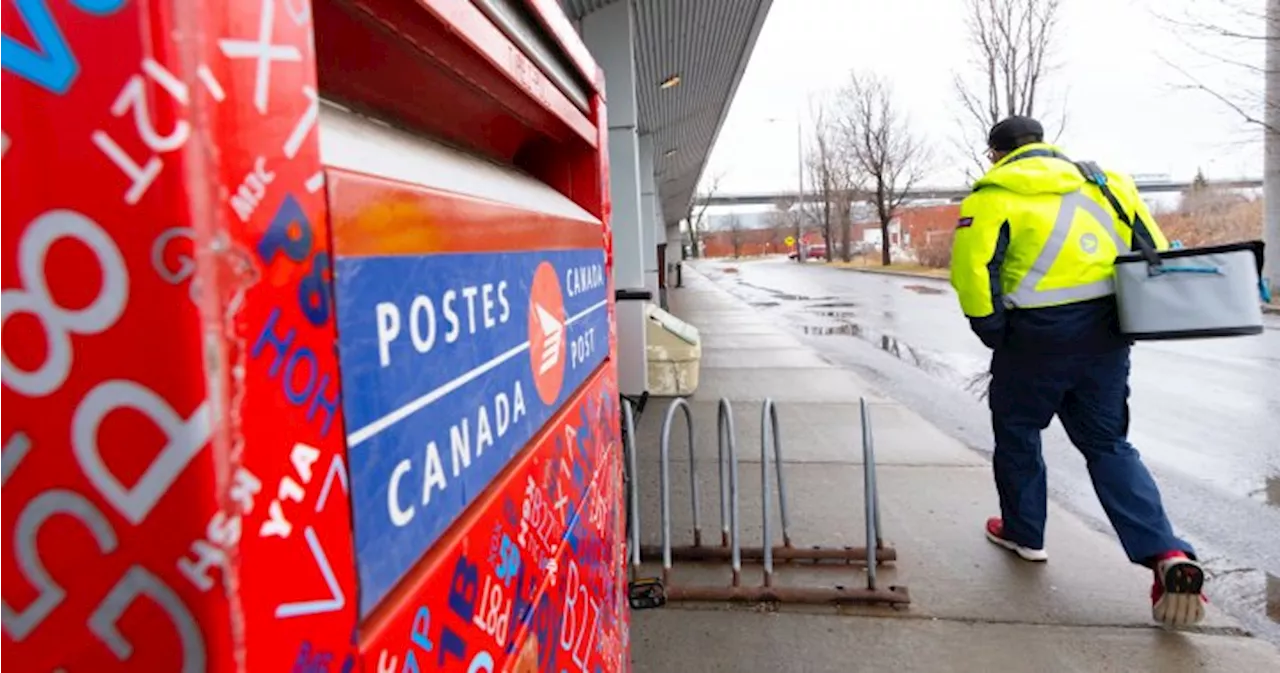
1206,413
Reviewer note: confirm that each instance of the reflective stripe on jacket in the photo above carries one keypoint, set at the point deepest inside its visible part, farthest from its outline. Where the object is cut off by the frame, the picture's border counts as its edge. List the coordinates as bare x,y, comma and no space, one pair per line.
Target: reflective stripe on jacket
1035,235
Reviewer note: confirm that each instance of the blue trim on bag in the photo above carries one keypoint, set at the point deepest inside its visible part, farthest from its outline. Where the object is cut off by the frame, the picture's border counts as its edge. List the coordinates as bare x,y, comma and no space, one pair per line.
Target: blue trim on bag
1185,269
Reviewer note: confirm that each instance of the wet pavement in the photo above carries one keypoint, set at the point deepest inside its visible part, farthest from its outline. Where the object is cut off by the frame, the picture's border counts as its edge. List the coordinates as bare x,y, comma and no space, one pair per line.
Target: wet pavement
1206,414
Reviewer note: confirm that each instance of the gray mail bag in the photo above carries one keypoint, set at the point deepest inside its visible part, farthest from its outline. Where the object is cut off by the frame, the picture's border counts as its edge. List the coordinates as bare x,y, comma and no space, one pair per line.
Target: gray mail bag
1184,293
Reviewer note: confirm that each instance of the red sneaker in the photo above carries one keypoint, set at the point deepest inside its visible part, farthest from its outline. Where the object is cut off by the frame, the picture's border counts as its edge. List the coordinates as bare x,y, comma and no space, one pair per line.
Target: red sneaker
1176,595
995,533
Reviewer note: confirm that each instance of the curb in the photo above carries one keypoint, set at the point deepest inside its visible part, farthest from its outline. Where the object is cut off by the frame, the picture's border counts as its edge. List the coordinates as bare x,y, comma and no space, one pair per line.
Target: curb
891,272
1271,308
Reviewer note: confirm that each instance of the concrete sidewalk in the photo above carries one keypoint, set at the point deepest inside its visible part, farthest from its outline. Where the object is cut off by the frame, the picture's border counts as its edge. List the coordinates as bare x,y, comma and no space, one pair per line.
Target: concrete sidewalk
975,607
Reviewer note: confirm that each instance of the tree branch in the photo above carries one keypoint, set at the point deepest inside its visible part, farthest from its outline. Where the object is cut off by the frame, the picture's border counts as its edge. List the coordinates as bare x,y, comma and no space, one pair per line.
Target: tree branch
1196,84
1011,43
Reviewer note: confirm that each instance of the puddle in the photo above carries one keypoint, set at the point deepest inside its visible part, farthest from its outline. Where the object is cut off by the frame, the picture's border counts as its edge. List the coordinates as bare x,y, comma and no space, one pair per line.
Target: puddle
919,358
844,329
837,315
844,322
1273,598
902,350
1268,493
939,365
782,296
1255,591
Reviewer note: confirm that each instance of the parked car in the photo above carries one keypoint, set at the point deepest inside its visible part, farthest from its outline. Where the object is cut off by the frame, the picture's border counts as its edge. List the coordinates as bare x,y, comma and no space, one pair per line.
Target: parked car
816,251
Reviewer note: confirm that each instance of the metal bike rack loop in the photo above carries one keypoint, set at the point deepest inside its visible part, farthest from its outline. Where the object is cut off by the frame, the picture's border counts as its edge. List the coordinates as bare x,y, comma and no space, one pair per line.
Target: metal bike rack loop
730,544
643,593
770,444
769,437
871,496
678,404
728,453
633,490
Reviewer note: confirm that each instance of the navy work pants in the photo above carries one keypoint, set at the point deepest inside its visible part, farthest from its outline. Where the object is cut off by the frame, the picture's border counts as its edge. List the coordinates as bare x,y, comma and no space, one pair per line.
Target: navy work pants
1089,393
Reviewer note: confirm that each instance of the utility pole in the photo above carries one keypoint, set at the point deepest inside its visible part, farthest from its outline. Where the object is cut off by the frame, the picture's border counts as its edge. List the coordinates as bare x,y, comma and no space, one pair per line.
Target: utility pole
800,194
1271,150
800,174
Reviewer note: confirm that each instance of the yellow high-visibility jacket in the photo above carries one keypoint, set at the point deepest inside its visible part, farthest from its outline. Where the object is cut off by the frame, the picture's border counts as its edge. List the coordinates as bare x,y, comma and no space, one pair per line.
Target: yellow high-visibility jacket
1035,235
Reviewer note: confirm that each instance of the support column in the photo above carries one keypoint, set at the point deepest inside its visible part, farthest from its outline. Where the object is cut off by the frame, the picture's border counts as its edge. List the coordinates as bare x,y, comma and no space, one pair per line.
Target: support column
610,36
650,215
675,254
663,251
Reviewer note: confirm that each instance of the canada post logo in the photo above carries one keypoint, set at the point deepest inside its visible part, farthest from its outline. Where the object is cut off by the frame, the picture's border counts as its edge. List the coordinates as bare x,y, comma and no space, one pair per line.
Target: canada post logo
547,333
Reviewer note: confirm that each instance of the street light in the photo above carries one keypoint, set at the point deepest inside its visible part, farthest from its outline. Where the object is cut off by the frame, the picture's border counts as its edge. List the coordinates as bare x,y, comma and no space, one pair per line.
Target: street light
800,175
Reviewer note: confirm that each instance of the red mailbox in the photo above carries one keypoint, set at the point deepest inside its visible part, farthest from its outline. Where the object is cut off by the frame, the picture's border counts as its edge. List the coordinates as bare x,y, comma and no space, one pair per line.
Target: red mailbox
308,339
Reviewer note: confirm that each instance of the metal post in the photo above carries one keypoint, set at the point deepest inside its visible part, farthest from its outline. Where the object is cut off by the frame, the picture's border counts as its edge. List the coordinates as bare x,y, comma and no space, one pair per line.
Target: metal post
764,507
800,195
869,491
693,476
721,439
729,451
769,431
665,487
1271,151
875,500
875,487
633,495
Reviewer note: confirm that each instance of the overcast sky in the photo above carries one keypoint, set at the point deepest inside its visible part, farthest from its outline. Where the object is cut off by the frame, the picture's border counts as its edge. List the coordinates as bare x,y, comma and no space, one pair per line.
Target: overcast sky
1126,108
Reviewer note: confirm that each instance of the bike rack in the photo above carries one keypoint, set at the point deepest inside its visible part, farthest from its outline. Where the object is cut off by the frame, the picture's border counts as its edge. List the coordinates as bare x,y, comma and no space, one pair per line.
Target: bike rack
642,593
730,547
629,479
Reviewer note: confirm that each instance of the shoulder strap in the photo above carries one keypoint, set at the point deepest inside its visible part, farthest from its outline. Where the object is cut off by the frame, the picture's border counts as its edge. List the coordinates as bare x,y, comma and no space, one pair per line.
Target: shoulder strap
1141,237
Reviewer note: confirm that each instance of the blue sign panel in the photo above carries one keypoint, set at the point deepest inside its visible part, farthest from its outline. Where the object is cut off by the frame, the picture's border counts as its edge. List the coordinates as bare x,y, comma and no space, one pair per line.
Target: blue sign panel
450,364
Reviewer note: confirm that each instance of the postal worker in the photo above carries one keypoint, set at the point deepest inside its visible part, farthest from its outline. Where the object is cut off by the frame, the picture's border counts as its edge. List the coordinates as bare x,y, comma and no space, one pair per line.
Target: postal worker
1032,263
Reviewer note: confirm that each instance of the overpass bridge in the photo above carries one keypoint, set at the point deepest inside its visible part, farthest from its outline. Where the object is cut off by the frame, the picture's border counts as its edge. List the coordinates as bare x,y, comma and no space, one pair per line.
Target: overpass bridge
945,193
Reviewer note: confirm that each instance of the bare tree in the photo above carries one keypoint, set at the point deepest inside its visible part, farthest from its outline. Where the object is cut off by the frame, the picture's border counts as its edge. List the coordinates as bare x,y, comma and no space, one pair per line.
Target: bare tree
736,237
881,146
835,182
846,178
1230,37
782,221
1237,27
697,214
822,161
1012,42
